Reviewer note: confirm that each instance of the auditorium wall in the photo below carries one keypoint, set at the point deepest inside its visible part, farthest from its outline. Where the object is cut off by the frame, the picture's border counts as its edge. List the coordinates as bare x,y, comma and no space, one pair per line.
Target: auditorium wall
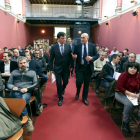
37,34
13,33
121,32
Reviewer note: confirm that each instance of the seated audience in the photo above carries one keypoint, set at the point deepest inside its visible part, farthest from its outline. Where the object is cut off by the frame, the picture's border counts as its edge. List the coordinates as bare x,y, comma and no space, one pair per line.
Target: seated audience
7,66
43,55
122,60
98,48
1,54
126,55
131,58
98,65
128,84
107,57
5,49
15,55
41,60
114,51
34,65
22,82
11,52
108,71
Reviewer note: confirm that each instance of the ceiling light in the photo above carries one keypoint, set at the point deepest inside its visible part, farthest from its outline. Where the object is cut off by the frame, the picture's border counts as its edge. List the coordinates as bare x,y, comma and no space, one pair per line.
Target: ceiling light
106,16
44,7
43,31
82,1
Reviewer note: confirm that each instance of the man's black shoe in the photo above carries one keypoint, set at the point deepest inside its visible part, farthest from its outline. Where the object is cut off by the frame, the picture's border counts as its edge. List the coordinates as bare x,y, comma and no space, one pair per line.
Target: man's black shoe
97,91
59,103
126,127
72,74
85,102
77,96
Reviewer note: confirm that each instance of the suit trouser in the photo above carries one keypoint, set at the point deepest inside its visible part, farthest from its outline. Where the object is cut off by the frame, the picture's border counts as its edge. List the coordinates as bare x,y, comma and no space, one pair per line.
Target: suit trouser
98,81
63,76
83,75
128,106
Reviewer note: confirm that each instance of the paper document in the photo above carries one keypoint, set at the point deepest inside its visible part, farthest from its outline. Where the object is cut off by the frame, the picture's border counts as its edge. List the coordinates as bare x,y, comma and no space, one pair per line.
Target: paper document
133,100
53,78
116,75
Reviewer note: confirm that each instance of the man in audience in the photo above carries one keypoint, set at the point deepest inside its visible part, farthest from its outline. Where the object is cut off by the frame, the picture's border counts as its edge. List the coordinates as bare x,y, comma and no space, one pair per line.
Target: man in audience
22,82
122,60
11,52
107,57
126,55
5,49
7,66
41,52
108,71
114,51
19,49
72,49
15,55
1,54
42,62
132,58
98,48
98,65
33,65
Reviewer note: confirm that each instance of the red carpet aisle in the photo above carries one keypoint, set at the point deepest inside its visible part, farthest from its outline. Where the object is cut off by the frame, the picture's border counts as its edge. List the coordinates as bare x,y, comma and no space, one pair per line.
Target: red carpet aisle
73,120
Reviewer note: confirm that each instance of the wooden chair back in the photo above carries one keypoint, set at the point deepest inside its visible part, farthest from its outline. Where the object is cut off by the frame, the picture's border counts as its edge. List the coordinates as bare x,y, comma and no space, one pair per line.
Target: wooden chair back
16,106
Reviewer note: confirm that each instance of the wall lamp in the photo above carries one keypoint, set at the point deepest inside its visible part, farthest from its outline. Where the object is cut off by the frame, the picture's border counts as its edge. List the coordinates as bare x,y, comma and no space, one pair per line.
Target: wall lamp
17,19
79,32
135,13
107,23
133,1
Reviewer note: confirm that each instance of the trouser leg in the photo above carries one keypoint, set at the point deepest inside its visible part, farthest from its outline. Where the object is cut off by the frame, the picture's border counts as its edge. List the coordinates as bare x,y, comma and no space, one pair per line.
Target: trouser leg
128,106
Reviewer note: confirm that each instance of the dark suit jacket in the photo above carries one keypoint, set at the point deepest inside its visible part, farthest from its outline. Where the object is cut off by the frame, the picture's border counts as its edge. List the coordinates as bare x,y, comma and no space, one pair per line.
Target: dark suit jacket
92,51
46,58
33,64
13,66
61,62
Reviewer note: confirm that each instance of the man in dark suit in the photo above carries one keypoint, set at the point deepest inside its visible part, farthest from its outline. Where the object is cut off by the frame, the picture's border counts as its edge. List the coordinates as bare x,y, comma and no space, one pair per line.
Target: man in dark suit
72,49
7,66
61,52
84,53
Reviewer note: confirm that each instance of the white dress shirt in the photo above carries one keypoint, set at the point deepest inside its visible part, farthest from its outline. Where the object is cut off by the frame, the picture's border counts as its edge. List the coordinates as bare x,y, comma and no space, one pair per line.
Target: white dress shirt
60,47
112,52
114,66
7,67
83,52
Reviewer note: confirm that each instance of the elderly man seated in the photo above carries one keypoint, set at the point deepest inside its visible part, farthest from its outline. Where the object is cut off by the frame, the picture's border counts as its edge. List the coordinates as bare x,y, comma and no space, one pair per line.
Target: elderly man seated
21,83
98,65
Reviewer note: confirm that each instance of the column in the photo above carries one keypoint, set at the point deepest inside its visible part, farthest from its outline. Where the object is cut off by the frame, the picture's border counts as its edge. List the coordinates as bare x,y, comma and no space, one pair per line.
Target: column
100,8
23,10
119,8
7,6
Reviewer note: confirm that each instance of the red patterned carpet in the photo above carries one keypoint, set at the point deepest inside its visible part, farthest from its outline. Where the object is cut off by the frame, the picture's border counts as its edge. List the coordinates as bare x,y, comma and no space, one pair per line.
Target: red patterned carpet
74,120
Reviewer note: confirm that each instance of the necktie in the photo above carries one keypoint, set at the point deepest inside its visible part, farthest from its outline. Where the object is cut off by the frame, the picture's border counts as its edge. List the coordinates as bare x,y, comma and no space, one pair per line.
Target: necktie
85,55
62,50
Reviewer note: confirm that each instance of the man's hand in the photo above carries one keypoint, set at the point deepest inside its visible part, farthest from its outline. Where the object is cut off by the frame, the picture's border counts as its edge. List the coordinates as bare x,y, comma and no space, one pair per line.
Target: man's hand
24,90
74,56
15,88
89,58
71,69
5,74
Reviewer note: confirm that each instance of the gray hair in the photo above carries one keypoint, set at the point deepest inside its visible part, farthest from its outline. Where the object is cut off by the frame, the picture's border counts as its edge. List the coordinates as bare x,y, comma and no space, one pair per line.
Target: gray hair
22,58
133,53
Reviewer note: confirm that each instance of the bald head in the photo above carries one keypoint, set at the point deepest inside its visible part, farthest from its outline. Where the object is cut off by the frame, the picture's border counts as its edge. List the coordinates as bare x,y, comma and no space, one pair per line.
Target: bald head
115,49
84,38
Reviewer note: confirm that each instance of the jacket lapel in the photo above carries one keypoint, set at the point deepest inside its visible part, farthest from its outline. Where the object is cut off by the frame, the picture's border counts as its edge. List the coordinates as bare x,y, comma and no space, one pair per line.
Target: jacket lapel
58,49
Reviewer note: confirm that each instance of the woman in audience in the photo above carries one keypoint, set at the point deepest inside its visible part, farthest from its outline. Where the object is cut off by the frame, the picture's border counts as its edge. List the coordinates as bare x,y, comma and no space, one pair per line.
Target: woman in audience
128,84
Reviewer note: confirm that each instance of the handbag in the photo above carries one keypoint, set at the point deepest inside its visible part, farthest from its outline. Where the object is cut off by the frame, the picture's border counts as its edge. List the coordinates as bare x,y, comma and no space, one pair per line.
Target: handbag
9,123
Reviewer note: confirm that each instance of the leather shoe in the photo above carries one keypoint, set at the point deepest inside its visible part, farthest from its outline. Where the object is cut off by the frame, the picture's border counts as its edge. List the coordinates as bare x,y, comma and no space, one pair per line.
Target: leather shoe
59,103
126,127
72,74
85,102
97,91
76,96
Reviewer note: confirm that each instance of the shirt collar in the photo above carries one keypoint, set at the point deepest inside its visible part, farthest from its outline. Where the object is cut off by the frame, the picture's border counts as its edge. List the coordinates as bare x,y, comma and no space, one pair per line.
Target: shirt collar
60,44
86,44
113,64
7,64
